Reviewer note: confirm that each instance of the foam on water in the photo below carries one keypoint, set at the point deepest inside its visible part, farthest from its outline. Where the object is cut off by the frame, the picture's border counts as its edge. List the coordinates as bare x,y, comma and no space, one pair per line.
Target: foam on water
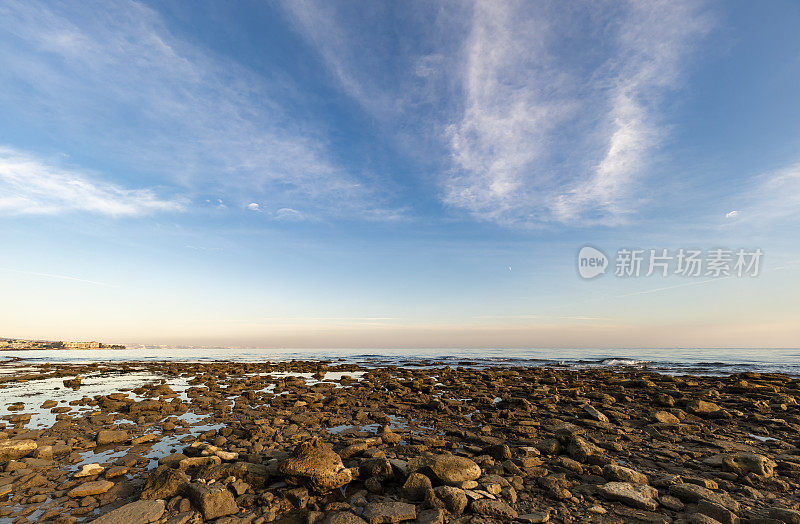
668,360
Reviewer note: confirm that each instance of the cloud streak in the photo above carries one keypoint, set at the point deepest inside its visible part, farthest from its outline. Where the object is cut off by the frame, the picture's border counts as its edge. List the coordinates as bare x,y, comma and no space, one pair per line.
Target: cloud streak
111,78
524,100
545,112
29,186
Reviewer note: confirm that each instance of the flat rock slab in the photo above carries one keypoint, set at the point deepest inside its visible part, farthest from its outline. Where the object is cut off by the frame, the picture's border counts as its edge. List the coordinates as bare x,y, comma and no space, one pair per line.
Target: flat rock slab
15,449
637,496
343,517
389,512
88,489
139,512
494,508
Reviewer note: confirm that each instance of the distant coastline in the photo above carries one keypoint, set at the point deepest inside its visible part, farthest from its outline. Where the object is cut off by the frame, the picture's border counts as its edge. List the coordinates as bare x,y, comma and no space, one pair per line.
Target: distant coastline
16,344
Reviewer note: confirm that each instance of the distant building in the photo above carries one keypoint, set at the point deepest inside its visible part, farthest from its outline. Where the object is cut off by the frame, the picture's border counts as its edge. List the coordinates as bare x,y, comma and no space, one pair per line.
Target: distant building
82,345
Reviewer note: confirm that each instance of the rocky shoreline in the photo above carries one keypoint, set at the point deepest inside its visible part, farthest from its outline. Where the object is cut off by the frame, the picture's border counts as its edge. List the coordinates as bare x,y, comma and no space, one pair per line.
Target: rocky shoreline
314,442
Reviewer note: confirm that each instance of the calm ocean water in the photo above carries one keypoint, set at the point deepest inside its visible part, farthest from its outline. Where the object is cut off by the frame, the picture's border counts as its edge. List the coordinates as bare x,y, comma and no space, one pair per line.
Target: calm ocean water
685,360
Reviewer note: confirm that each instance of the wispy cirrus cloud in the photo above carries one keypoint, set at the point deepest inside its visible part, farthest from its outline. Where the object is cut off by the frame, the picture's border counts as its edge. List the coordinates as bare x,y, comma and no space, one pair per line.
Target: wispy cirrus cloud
111,79
29,186
526,101
545,112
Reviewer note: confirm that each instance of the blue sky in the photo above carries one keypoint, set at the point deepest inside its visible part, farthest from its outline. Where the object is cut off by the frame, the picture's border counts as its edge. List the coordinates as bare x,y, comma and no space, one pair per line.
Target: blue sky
396,174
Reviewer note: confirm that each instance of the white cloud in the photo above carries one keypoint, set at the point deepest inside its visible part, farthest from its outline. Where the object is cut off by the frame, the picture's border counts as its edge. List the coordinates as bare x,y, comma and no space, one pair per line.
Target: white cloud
545,112
287,213
30,186
524,101
772,197
252,206
732,214
112,79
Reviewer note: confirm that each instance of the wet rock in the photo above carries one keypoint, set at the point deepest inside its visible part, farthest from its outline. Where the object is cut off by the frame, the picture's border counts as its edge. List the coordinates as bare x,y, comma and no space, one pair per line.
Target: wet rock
139,512
614,472
447,469
15,449
164,483
213,500
89,489
495,509
637,496
111,436
389,512
89,470
315,465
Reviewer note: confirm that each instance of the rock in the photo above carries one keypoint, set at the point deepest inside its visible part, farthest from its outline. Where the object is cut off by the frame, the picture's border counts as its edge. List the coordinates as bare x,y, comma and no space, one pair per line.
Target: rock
494,508
89,489
139,512
744,463
614,472
594,413
699,518
88,470
718,512
389,512
144,438
315,465
164,483
701,407
454,499
213,500
111,436
15,449
537,517
665,417
343,517
447,469
694,493
377,467
786,516
430,516
415,486
582,450
637,496
498,451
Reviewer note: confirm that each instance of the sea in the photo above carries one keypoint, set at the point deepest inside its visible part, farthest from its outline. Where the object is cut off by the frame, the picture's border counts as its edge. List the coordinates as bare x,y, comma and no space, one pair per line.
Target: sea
691,361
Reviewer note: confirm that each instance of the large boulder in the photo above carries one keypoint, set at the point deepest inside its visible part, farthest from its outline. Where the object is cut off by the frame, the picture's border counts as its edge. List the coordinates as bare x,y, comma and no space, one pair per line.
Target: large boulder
315,465
447,469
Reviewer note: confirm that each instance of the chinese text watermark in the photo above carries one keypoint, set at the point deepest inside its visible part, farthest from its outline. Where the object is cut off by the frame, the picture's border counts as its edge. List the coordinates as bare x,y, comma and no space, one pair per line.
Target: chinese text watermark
682,262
